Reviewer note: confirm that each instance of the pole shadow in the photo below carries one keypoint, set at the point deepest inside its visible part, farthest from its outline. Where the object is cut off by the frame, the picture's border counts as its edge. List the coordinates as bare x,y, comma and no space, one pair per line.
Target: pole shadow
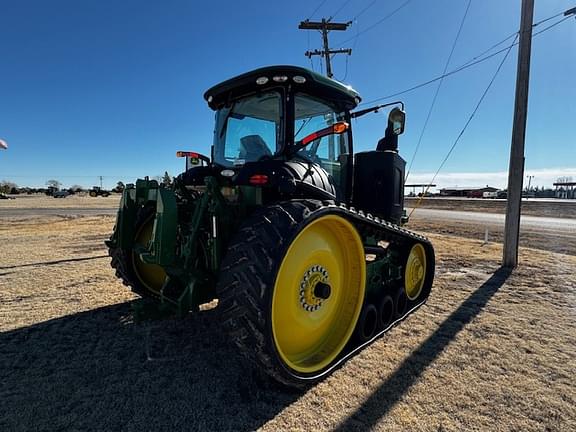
97,370
406,375
55,262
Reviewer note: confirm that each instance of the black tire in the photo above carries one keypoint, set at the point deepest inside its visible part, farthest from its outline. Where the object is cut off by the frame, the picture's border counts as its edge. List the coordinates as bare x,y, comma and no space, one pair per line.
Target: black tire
247,275
122,261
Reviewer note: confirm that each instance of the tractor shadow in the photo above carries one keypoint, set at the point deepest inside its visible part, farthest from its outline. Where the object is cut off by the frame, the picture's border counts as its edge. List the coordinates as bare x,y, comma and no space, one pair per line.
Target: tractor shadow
409,371
98,370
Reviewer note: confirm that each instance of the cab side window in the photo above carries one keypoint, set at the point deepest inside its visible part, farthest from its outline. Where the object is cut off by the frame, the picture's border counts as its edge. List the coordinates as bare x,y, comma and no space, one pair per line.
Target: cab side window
312,115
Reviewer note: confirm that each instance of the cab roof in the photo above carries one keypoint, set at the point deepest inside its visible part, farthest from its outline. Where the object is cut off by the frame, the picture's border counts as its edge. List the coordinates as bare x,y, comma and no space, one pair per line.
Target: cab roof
314,85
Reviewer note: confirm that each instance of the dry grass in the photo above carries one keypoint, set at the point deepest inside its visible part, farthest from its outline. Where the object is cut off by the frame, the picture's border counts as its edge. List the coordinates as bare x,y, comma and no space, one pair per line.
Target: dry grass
55,268
488,351
530,237
44,201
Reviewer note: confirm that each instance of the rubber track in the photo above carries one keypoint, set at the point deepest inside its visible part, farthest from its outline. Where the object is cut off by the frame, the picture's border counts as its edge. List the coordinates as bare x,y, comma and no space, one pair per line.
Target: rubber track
249,269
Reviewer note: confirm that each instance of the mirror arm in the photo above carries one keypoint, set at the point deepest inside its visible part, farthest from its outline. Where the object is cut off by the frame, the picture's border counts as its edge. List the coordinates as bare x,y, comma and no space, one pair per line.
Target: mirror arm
360,113
336,129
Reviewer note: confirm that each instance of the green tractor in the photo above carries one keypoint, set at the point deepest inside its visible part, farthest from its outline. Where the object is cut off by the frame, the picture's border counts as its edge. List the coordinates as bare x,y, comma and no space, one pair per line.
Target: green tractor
97,191
298,238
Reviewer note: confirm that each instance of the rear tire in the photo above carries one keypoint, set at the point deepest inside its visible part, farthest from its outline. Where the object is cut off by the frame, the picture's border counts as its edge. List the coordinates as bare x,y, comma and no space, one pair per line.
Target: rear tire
144,279
281,289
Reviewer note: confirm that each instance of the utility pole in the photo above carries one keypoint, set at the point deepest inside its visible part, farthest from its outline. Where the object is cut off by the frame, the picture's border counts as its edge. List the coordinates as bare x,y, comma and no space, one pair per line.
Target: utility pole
529,177
100,182
516,168
325,26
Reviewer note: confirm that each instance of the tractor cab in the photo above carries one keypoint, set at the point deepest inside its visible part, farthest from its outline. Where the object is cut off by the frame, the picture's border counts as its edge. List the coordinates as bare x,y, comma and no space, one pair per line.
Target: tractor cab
292,126
285,119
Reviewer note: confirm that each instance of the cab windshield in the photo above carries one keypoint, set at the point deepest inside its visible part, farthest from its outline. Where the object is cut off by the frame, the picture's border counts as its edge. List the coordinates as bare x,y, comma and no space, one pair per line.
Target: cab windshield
248,130
312,115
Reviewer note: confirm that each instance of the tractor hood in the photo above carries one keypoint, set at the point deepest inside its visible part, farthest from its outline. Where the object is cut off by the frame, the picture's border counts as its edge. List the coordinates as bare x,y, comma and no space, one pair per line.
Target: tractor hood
292,78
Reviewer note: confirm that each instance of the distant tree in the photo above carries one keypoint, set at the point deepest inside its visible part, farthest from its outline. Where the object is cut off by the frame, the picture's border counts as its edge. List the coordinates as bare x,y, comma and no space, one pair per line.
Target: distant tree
76,188
7,186
53,184
166,179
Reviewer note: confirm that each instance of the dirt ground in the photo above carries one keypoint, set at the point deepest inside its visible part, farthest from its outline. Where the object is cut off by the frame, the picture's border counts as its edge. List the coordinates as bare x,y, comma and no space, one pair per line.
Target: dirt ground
489,351
547,208
530,207
541,237
546,240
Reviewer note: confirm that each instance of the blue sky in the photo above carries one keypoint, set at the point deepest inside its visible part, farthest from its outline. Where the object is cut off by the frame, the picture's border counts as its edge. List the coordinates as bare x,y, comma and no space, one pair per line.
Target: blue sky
114,88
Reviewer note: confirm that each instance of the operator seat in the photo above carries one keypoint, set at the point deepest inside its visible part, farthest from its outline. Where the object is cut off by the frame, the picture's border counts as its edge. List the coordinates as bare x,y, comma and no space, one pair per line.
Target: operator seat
253,147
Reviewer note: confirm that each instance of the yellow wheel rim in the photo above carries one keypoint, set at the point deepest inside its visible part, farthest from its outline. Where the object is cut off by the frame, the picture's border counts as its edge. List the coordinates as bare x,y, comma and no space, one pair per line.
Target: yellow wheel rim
415,272
318,294
152,276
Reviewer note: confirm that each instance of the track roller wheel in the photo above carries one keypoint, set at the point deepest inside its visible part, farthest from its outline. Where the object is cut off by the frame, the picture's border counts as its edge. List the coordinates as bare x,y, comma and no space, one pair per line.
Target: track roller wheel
367,323
415,271
400,303
385,312
292,288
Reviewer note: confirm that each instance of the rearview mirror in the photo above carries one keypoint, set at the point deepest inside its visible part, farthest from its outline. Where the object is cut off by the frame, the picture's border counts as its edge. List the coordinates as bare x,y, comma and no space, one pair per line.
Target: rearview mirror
396,121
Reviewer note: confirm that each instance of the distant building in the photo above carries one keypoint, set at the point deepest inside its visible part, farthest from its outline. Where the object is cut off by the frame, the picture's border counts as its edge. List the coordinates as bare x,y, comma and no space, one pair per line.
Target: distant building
468,192
565,190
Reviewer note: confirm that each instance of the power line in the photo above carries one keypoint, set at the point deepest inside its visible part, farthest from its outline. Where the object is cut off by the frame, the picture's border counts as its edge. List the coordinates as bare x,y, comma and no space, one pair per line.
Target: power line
570,11
467,122
317,8
353,48
340,9
486,51
308,49
380,21
364,10
466,65
548,19
433,80
438,88
345,71
552,25
511,35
